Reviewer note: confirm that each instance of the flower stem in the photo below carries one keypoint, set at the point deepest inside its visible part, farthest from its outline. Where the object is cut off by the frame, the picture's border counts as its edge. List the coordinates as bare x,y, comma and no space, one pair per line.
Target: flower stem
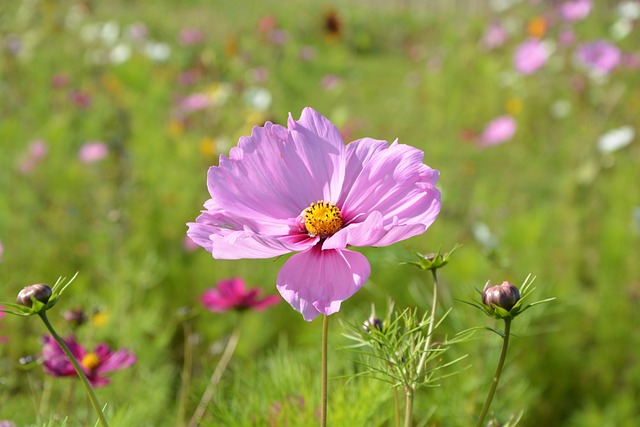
325,332
215,378
186,370
396,408
432,320
78,368
408,406
496,377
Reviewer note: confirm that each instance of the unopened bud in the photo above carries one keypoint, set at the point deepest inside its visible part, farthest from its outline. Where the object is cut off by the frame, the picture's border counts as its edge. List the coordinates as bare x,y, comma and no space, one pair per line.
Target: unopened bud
372,323
38,291
504,296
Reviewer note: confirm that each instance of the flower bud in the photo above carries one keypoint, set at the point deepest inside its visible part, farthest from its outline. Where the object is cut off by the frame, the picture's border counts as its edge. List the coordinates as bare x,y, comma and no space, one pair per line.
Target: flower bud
39,291
372,323
504,296
75,316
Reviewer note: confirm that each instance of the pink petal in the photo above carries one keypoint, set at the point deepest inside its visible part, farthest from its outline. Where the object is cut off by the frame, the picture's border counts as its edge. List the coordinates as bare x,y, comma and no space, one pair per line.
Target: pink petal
317,281
393,181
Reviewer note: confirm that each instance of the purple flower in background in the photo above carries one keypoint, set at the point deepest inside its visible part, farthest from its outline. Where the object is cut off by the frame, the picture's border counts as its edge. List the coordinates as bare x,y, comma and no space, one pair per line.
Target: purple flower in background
566,37
7,423
495,36
37,151
530,56
499,130
600,56
300,189
190,36
80,99
94,363
92,152
59,81
232,294
575,10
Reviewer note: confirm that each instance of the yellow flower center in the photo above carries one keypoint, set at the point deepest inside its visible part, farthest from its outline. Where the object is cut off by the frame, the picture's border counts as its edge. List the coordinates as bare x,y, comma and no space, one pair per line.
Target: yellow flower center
322,219
90,361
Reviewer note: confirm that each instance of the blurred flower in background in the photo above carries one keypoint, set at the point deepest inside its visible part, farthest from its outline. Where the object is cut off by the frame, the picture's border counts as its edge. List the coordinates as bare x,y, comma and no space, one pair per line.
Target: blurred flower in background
93,152
232,294
530,56
575,10
94,364
36,151
190,36
616,139
600,57
494,36
497,131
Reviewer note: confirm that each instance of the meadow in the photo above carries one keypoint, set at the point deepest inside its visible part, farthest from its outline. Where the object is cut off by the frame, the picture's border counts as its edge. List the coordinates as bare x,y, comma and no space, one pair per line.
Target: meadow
112,112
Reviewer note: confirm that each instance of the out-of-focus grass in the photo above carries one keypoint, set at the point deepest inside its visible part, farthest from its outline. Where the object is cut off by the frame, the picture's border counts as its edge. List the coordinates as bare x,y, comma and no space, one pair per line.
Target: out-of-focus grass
555,206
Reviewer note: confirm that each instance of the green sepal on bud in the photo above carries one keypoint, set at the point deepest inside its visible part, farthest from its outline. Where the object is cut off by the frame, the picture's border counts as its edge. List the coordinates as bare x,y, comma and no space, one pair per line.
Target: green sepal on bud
432,261
38,298
506,301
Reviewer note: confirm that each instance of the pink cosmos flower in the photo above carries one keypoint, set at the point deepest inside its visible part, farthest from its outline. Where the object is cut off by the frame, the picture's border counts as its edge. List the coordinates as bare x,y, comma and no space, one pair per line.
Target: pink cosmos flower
192,103
37,151
495,36
599,56
94,363
575,10
300,189
531,55
93,152
190,36
232,294
499,130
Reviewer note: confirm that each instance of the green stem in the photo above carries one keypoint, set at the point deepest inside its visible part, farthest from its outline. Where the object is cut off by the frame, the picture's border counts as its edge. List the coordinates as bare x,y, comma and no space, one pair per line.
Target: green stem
186,371
396,408
408,406
496,377
76,365
432,320
215,378
325,333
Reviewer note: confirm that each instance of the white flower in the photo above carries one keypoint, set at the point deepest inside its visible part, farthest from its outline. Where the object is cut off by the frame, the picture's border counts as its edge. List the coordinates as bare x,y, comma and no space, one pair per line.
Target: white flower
157,51
120,53
616,139
629,10
257,98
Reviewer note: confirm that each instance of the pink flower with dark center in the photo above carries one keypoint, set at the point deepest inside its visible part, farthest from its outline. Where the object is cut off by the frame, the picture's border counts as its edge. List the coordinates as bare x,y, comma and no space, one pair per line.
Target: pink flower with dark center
93,151
300,189
530,56
232,294
575,10
94,363
499,130
599,56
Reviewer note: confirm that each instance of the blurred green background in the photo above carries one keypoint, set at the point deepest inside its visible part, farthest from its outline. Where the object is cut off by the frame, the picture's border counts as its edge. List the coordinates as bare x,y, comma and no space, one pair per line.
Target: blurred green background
550,201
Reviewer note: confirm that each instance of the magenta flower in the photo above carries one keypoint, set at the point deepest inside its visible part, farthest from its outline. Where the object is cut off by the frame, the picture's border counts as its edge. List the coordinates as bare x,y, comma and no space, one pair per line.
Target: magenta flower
575,10
531,55
300,189
93,152
499,130
94,363
600,56
231,294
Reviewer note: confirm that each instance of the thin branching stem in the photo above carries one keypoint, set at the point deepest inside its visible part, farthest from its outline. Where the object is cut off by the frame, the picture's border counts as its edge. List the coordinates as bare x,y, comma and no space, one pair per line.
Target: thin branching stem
78,368
432,321
496,377
325,332
215,378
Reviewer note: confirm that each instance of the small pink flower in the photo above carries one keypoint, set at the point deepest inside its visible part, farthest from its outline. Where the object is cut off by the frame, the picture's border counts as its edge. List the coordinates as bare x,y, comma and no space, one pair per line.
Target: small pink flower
301,189
566,38
231,294
37,151
93,151
530,56
192,103
80,99
600,56
94,364
330,82
59,81
190,36
575,10
498,131
495,36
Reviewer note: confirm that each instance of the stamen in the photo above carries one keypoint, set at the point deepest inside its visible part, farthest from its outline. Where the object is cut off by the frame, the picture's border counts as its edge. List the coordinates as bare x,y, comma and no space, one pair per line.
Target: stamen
322,219
90,361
